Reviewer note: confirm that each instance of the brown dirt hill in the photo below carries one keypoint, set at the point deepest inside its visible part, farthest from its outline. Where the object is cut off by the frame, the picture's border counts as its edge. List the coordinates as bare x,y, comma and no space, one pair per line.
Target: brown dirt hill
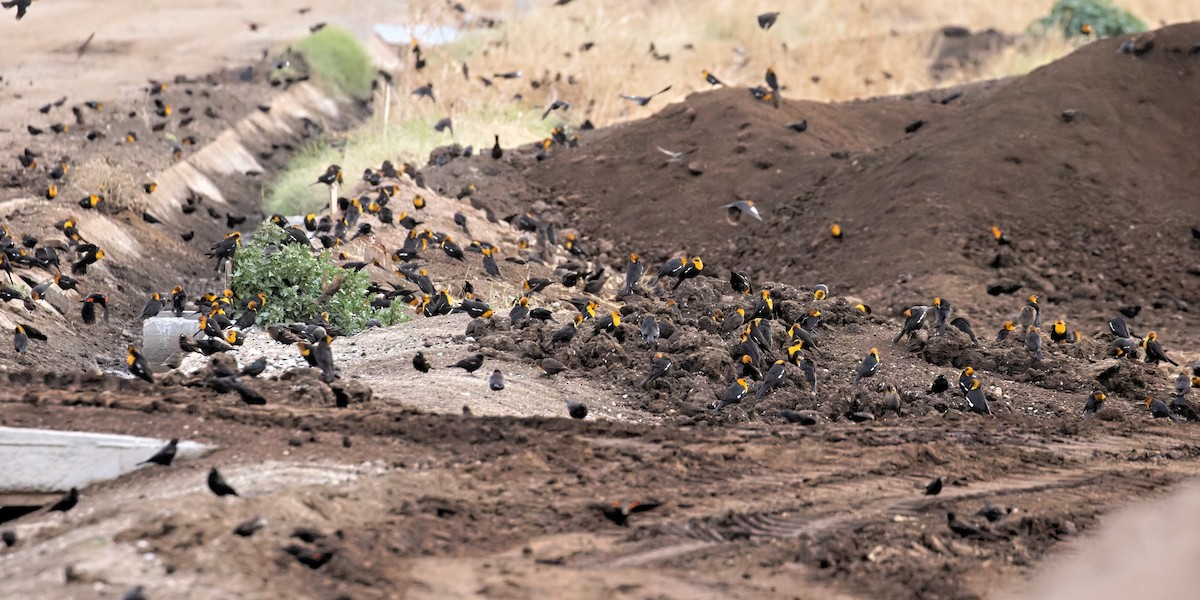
1098,201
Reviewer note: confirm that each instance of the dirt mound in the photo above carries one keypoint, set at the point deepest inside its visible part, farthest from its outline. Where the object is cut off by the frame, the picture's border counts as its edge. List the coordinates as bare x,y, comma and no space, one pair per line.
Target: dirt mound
1085,164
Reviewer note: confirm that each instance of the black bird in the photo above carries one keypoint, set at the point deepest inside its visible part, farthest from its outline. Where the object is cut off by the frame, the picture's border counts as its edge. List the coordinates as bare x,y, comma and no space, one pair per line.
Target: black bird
164,456
557,104
963,529
771,380
939,385
1095,402
443,125
9,537
22,6
217,484
964,326
425,90
496,381
577,410
67,502
644,100
470,364
138,366
619,513
419,362
1118,327
250,526
767,19
660,367
497,151
934,487
255,368
137,592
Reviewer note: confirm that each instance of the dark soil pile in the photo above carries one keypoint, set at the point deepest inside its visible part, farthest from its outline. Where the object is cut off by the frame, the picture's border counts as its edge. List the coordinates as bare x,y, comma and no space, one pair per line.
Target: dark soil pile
1087,165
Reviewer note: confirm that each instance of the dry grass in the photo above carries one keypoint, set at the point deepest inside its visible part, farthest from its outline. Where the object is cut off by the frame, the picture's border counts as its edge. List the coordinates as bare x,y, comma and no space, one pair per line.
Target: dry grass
824,50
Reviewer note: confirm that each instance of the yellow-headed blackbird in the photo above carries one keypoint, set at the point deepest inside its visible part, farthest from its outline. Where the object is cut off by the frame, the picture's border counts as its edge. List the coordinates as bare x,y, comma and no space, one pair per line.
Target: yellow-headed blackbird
1033,342
746,368
671,268
51,191
1005,330
891,399
534,285
550,366
820,292
91,255
633,273
1085,28
608,323
740,282
869,366
567,333
165,455
469,364
711,79
734,320
643,100
760,332
65,282
810,320
1030,314
138,366
809,369
733,394
91,201
802,334
794,352
836,231
332,175
965,378
496,381
20,340
1118,327
1160,410
1058,332
771,79
1154,351
178,300
234,337
419,362
771,380
914,320
452,250
217,484
418,202
1095,402
659,367
1124,347
520,311
941,314
765,307
977,401
690,270
150,187
577,410
90,302
224,250
153,306
21,5
59,171
767,19
964,326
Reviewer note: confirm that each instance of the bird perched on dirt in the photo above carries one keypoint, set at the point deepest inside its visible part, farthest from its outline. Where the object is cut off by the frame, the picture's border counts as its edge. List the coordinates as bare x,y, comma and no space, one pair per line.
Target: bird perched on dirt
1058,332
1031,314
496,381
689,271
551,367
650,329
1154,351
1160,410
1181,406
138,365
891,399
1095,402
964,326
644,100
469,364
740,282
21,5
224,250
977,401
67,502
941,314
934,487
255,368
772,379
20,339
767,19
869,366
711,79
419,363
497,152
1183,385
164,456
1033,342
90,302
659,367
633,274
914,320
577,410
217,484
733,394
1118,327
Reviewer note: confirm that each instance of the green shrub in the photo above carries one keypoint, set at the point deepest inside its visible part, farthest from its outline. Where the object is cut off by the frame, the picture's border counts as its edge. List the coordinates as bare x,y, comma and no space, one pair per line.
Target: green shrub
292,278
1105,18
337,59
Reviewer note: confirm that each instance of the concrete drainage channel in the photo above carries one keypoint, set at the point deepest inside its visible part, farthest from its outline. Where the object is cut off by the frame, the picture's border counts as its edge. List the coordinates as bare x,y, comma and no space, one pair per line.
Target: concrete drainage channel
41,463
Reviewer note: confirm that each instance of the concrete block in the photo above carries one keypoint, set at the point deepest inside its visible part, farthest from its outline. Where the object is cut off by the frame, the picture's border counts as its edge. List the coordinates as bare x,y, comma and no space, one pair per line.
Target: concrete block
160,334
42,460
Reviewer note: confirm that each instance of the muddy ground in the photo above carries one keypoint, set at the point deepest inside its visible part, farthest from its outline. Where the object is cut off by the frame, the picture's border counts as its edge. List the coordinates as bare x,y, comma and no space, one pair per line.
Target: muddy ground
401,493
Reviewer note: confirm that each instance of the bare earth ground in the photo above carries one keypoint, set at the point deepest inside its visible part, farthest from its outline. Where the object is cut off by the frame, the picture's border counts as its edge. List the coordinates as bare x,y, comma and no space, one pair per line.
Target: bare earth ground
410,498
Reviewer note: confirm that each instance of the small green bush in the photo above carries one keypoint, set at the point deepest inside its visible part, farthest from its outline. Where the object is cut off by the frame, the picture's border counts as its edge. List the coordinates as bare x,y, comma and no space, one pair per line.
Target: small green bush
1105,18
337,59
292,278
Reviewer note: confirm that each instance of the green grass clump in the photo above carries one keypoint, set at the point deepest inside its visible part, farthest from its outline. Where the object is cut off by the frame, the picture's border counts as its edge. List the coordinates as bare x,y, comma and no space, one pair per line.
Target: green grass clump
1105,19
292,278
336,59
